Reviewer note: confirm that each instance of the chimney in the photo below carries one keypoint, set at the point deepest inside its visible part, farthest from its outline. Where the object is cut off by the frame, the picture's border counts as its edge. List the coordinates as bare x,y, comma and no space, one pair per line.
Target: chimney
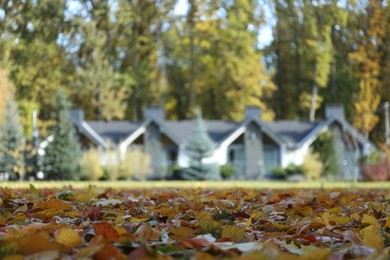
76,116
154,112
335,111
252,112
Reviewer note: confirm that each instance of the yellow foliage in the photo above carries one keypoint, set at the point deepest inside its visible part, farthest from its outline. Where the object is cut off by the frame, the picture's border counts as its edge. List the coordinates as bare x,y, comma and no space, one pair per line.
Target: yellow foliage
91,164
312,166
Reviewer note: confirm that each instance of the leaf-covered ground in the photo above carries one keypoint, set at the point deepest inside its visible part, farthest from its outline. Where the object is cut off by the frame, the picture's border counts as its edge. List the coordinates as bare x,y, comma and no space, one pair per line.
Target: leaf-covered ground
97,223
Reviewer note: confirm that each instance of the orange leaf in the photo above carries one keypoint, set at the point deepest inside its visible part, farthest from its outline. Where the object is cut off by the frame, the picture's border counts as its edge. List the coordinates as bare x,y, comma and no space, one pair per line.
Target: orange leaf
181,233
106,230
36,243
109,252
146,233
194,243
52,203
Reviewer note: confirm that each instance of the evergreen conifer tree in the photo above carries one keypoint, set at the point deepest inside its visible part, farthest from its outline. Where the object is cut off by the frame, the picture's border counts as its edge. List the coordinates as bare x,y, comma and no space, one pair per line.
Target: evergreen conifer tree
200,146
11,142
62,155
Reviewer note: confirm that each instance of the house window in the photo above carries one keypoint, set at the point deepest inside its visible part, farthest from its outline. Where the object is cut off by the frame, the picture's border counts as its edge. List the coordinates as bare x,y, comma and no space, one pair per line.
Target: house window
236,157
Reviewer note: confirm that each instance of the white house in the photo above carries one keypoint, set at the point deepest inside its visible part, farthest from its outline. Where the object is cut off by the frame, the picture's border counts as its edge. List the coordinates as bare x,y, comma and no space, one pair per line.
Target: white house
254,146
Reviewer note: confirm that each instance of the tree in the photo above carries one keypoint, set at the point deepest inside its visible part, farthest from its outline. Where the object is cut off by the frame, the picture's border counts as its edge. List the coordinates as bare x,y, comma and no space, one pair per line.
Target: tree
97,87
199,147
62,154
11,142
368,58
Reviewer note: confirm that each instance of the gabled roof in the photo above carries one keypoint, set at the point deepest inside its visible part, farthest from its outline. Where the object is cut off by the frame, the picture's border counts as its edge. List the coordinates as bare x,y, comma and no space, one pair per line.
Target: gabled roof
113,132
216,129
289,132
292,132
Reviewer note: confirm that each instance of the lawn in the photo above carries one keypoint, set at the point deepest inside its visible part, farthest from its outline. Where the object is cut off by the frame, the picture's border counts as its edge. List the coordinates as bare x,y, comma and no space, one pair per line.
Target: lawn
200,184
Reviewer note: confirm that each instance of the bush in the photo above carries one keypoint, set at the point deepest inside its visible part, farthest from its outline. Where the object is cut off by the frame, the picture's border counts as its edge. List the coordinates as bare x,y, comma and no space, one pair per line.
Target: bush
90,163
283,173
136,164
312,166
227,171
377,172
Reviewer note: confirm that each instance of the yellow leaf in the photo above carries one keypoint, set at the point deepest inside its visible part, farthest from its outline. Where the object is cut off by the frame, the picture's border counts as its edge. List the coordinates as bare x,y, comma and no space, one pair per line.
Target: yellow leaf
371,237
138,220
68,238
304,211
121,230
73,214
387,224
34,191
181,233
371,220
49,213
20,217
233,232
355,216
2,220
82,197
339,220
204,215
89,251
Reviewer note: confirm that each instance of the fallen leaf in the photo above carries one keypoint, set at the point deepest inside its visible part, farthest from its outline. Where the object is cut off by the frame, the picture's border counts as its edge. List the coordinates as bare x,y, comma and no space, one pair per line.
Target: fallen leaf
68,238
36,243
371,237
181,233
106,230
370,220
34,192
233,232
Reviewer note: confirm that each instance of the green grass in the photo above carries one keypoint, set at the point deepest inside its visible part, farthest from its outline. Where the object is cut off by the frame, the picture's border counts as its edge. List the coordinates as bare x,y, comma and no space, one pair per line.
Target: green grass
199,184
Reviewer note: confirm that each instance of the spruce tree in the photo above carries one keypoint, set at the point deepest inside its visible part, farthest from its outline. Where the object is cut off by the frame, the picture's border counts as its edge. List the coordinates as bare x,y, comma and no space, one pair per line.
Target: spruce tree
200,146
62,155
11,142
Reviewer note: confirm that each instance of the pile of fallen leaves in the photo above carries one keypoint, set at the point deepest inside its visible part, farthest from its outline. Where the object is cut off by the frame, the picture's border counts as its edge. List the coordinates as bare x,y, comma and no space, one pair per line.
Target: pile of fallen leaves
202,224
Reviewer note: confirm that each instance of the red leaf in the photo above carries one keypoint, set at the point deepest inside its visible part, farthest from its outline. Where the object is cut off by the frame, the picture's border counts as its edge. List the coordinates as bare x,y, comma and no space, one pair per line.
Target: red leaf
240,214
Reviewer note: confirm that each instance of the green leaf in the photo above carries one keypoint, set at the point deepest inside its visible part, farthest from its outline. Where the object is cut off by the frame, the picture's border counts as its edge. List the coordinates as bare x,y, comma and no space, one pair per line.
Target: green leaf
34,191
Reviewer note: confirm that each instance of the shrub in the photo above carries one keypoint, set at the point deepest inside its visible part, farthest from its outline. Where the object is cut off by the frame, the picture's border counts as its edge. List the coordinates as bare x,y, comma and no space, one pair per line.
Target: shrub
136,164
227,171
312,166
283,173
90,163
324,146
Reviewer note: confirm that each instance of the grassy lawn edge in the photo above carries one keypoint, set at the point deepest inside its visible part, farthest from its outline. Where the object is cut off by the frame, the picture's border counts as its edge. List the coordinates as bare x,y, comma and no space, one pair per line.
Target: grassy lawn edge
199,184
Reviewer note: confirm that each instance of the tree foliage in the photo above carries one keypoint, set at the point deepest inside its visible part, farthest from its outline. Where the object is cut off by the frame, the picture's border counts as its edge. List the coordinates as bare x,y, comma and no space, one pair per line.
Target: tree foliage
62,154
11,141
199,148
115,57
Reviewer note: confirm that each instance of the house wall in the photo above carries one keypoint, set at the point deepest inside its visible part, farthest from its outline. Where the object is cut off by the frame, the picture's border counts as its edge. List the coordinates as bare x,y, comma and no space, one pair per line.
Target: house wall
294,156
347,152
